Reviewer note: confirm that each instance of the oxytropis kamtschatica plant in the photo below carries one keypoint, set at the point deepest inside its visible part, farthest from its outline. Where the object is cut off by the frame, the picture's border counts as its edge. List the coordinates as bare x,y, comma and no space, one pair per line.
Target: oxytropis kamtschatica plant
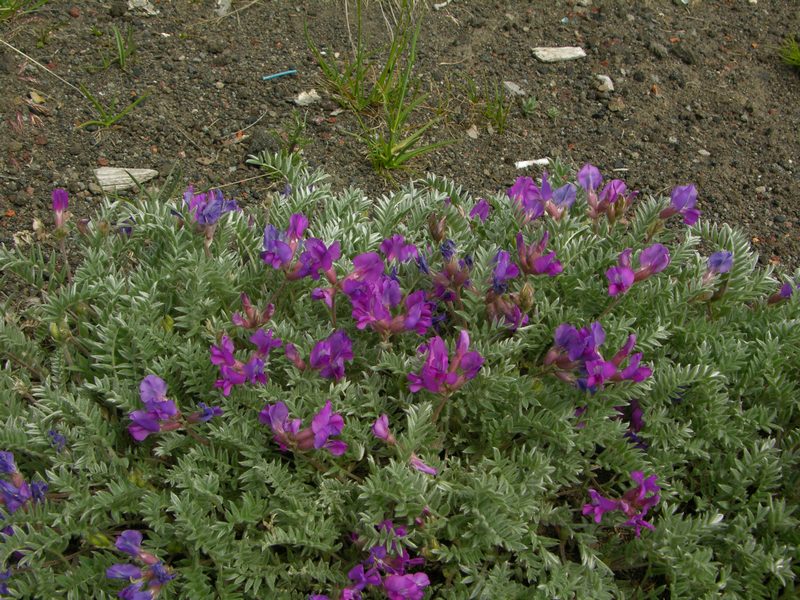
548,392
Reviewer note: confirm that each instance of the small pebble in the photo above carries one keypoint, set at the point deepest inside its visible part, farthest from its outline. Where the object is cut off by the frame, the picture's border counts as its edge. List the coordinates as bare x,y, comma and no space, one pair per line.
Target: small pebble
74,12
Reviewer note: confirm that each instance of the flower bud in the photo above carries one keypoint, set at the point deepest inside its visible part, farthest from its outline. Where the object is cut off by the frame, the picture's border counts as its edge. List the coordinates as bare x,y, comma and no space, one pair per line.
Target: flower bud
437,227
526,297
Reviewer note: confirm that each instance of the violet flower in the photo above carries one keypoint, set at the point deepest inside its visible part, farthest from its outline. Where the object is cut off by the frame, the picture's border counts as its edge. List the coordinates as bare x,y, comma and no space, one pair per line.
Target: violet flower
380,429
785,292
60,205
441,375
682,202
528,198
206,208
160,414
635,503
288,435
154,575
504,271
406,587
395,248
652,260
534,261
316,257
480,210
329,355
280,247
720,262
417,463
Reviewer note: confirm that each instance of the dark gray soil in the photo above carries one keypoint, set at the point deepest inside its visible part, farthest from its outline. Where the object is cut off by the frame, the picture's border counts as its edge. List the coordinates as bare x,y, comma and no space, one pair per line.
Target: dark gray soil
700,96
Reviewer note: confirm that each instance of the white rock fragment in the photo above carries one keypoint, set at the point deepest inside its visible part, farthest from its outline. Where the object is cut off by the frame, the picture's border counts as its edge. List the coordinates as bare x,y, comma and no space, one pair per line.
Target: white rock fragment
116,179
604,83
703,152
307,98
473,132
144,5
557,54
523,164
223,7
513,89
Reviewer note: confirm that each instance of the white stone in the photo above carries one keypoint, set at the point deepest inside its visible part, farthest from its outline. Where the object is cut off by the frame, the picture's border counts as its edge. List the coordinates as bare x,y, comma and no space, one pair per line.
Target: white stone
513,88
523,164
307,98
557,54
117,179
605,84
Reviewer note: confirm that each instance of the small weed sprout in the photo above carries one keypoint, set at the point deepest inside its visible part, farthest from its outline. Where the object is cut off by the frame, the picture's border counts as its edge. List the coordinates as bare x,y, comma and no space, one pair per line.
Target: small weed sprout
124,48
529,106
790,52
107,115
553,113
10,8
497,108
291,136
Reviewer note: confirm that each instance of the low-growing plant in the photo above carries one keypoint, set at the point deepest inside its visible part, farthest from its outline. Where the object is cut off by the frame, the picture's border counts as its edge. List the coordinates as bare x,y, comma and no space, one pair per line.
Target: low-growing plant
529,106
107,116
292,135
497,108
544,393
790,52
11,8
552,112
124,49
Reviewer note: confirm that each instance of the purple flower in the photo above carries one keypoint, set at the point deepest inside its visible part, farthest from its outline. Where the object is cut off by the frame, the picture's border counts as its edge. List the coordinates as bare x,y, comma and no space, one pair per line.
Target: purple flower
143,423
406,587
277,253
533,260
504,271
152,389
589,177
417,463
720,262
652,260
57,440
418,313
207,208
134,592
439,374
251,318
206,412
129,542
161,414
395,248
368,267
635,503
330,354
448,250
480,210
124,571
14,495
316,257
362,578
380,429
683,200
264,342
620,280
298,223
325,424
7,464
60,204
528,197
223,354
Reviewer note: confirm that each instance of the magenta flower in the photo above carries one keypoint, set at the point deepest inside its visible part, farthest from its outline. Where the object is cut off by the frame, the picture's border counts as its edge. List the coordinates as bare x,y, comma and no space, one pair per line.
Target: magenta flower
60,204
406,587
288,435
395,248
480,210
206,208
417,463
635,503
316,257
652,260
380,429
683,200
528,197
620,280
441,375
504,271
589,177
280,247
534,261
330,354
264,342
161,414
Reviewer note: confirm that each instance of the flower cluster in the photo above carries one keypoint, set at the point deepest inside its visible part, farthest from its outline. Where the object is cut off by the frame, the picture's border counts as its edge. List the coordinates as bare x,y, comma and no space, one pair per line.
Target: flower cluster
440,374
454,277
613,200
251,317
17,493
576,358
236,372
634,504
161,413
652,260
534,201
289,435
327,356
376,297
206,208
299,257
153,573
386,569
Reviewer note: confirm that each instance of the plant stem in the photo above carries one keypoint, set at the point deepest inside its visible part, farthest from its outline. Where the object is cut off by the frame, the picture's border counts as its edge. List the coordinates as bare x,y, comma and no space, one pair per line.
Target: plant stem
439,408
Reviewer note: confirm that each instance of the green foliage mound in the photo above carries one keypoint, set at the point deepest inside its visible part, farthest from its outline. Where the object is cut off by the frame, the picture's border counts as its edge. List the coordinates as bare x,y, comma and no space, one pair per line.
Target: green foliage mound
483,438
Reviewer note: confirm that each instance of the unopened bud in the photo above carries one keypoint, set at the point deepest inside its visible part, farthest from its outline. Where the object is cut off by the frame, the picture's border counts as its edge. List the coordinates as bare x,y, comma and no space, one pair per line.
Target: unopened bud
526,297
437,227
